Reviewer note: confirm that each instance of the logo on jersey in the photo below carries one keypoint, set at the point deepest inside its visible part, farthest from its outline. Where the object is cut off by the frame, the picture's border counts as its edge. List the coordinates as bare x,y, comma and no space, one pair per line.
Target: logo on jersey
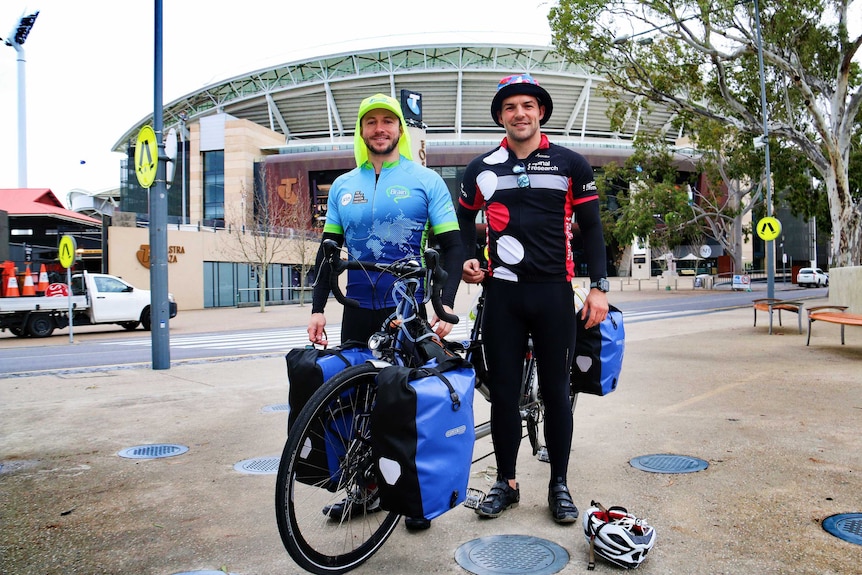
346,198
591,187
542,166
397,193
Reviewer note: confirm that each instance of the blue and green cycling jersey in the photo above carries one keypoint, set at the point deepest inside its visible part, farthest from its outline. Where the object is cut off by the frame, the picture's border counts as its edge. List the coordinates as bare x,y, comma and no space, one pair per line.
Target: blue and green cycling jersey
387,219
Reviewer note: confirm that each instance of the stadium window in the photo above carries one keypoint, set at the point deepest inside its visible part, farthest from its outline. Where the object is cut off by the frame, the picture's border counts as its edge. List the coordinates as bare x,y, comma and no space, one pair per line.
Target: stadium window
213,185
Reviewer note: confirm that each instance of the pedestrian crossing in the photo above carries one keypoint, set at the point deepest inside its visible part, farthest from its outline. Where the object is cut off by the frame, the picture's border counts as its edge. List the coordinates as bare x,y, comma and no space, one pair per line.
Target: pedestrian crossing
256,341
263,341
278,340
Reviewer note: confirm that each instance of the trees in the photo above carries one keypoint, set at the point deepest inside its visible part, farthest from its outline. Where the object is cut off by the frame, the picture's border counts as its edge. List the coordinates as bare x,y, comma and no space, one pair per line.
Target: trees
700,58
727,193
654,206
272,224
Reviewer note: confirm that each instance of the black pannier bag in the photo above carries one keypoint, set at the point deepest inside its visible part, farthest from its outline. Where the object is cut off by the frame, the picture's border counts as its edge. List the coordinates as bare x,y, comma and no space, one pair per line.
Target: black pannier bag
422,436
599,354
307,369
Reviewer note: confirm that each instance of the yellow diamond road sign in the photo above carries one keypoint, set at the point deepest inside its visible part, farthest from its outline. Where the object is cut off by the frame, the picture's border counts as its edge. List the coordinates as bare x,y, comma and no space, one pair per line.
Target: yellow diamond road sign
146,157
768,228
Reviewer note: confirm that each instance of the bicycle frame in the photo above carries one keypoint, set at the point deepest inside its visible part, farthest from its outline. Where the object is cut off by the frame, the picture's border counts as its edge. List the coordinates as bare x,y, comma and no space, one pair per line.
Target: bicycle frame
390,346
400,336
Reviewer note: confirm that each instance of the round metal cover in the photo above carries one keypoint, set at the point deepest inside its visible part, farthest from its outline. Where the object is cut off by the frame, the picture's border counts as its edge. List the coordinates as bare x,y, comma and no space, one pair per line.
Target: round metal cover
505,554
258,465
667,463
154,451
276,407
203,573
846,526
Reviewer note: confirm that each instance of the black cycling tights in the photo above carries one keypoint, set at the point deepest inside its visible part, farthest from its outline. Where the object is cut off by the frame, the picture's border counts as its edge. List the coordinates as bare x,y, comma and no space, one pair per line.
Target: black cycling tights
512,312
358,323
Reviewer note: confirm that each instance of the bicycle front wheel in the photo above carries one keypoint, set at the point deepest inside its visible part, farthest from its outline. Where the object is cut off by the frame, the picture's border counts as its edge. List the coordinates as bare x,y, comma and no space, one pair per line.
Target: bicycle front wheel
326,502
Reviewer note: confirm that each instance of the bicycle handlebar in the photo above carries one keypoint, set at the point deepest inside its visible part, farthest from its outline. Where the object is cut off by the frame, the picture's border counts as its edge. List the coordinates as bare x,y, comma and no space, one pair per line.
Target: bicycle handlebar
401,270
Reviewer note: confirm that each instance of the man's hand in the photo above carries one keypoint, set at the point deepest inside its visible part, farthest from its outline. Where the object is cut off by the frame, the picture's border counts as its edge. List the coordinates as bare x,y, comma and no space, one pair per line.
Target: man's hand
316,332
472,272
441,328
595,308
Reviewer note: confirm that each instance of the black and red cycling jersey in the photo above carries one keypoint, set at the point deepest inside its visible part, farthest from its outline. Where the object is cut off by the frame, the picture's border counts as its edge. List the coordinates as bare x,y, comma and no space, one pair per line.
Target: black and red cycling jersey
529,204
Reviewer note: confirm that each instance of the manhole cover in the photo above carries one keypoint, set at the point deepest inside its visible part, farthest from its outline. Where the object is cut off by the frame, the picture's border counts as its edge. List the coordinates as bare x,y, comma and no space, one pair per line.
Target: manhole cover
154,451
203,573
665,463
276,407
259,465
521,554
846,526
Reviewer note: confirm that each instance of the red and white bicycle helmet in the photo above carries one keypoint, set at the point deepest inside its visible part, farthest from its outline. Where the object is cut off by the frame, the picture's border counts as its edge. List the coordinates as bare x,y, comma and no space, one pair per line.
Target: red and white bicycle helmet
617,535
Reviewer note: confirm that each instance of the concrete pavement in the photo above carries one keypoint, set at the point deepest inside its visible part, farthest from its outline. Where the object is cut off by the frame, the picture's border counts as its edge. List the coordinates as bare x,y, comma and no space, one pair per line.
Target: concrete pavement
776,420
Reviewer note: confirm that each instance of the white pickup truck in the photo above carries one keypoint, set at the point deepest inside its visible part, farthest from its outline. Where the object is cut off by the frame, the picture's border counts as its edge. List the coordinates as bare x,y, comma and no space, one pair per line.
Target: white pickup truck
95,299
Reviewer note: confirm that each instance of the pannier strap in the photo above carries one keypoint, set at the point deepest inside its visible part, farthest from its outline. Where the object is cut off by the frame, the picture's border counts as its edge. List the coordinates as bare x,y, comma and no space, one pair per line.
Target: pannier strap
453,395
336,351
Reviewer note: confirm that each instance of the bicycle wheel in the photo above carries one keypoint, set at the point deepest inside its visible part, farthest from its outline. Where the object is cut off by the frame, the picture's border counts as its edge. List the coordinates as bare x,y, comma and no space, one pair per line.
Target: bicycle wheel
327,462
533,408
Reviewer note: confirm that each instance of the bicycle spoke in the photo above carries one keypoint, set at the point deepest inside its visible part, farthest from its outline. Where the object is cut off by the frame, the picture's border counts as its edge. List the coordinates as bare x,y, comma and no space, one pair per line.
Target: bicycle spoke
328,518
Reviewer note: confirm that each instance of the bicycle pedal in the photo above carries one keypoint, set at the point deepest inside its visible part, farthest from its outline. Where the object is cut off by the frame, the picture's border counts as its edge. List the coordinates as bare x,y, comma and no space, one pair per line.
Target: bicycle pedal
474,498
542,455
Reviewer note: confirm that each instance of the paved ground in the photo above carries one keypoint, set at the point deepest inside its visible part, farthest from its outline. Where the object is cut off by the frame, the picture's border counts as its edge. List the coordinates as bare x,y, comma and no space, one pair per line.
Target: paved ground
778,423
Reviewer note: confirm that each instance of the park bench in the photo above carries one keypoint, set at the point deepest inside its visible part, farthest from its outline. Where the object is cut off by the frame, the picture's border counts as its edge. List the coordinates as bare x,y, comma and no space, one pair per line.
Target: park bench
837,315
770,304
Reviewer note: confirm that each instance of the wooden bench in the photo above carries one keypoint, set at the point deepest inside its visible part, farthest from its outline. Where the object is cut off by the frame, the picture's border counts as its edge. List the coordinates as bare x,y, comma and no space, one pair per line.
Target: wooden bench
769,305
837,315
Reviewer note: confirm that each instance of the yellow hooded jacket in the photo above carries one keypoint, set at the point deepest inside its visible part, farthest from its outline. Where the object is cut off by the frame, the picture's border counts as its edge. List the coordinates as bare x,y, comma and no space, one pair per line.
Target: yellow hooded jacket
380,101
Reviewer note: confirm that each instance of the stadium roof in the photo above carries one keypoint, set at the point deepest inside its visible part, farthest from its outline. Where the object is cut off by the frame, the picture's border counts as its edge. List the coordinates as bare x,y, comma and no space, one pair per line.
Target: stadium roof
315,101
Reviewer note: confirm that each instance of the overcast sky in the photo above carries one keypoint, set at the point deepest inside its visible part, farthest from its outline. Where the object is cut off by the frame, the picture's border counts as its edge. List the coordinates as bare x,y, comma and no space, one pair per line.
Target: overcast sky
89,63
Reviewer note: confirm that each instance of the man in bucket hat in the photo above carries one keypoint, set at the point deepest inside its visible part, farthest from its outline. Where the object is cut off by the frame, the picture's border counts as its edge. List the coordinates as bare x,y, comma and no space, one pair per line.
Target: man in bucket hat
383,210
529,189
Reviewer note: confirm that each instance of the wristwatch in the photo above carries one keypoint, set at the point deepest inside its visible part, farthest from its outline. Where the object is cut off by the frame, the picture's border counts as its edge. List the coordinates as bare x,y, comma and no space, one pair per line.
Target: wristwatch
602,285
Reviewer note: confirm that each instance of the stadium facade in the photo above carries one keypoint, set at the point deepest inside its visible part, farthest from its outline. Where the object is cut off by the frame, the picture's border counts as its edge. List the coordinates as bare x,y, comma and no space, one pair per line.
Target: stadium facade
293,124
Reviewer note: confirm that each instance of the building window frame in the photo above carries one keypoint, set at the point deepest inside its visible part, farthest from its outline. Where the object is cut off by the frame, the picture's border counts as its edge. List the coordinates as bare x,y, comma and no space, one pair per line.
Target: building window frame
213,186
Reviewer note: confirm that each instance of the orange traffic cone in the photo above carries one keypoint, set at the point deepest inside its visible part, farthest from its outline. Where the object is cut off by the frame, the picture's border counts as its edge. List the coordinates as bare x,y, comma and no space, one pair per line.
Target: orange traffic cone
12,286
42,286
28,289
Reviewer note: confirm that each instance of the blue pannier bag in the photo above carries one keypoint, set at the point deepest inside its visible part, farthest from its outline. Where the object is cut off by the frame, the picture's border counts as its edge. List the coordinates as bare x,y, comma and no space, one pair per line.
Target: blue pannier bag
599,354
422,436
307,369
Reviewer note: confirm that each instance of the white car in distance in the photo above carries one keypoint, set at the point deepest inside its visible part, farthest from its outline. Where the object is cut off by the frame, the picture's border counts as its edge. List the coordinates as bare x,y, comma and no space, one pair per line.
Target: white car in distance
812,277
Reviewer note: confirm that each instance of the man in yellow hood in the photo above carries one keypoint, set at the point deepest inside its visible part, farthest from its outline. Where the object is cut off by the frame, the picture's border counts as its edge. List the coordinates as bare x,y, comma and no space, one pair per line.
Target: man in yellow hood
384,211
380,102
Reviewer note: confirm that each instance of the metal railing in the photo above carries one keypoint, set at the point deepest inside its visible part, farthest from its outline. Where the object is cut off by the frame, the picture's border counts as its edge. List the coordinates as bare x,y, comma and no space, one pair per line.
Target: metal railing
274,295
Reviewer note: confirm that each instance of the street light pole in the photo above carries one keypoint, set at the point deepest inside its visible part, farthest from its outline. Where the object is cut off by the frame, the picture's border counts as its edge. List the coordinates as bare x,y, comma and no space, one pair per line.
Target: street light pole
16,39
159,303
770,256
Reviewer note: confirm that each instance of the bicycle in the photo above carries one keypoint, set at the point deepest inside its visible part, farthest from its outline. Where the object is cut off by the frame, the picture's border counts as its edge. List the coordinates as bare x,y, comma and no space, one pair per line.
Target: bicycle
333,429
